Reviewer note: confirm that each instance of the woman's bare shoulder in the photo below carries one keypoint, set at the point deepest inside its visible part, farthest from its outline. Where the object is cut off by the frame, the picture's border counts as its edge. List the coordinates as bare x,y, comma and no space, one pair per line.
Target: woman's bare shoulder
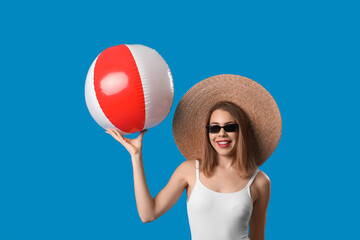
262,176
262,183
186,169
262,179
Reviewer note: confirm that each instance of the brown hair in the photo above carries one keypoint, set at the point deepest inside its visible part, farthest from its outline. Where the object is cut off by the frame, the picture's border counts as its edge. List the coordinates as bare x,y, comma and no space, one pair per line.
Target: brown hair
245,153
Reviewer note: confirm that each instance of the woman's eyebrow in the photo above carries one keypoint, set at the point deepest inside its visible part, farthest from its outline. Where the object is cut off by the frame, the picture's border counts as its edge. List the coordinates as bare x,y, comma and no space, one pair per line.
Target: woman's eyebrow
225,123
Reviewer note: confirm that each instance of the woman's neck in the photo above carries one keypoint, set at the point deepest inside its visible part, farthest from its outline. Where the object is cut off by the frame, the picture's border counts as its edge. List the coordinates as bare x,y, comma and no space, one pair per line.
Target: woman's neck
226,162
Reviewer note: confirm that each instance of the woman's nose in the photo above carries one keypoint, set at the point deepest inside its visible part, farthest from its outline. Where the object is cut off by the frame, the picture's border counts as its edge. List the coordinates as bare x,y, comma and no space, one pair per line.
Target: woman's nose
222,132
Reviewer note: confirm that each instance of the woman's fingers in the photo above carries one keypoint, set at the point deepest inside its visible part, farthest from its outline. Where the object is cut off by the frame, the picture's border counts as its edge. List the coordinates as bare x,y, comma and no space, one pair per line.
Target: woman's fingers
116,135
141,135
132,145
127,142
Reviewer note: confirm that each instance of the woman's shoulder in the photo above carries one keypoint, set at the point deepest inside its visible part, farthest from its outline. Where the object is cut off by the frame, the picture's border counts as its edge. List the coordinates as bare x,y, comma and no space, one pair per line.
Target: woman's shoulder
187,166
261,179
186,169
262,183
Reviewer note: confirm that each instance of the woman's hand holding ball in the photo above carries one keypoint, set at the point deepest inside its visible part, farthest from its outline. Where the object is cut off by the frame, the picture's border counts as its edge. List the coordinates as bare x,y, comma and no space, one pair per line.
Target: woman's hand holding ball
133,146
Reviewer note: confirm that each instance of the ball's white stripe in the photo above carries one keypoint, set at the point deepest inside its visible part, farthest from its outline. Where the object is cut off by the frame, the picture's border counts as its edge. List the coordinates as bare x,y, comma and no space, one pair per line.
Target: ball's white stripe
159,93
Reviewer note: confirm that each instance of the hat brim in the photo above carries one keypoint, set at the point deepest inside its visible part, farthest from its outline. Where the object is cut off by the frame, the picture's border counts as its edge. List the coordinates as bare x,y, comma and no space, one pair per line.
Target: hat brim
255,100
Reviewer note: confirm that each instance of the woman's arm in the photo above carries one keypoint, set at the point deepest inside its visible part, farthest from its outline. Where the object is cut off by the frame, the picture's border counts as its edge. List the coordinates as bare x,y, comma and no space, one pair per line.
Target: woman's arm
150,209
258,217
144,201
171,193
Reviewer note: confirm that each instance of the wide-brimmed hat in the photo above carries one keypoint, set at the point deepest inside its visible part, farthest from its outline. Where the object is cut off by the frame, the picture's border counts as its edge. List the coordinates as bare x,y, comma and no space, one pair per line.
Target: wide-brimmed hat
251,97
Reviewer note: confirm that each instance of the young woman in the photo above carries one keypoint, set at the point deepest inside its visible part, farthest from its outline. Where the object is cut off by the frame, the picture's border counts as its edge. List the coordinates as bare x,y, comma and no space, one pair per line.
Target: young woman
226,191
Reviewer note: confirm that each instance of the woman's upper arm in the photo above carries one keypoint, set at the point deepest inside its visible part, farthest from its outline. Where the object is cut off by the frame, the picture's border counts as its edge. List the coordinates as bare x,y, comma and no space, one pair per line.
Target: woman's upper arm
171,193
258,217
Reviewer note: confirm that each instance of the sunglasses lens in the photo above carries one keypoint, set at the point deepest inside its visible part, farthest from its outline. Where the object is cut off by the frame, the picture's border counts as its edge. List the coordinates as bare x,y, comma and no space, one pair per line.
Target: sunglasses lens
230,127
214,129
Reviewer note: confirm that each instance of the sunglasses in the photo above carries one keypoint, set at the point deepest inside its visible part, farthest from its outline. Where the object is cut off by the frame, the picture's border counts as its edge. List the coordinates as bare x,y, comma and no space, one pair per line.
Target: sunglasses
228,128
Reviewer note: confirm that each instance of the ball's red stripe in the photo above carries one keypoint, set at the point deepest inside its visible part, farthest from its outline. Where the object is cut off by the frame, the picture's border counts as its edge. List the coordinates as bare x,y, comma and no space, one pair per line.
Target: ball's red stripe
119,89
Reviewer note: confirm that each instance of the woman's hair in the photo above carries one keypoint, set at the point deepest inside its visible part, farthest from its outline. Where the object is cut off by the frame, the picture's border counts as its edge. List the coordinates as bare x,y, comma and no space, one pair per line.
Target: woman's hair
245,149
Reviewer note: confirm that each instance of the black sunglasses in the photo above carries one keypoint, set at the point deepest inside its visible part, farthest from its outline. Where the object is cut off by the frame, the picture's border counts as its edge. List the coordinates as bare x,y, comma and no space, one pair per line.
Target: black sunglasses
228,128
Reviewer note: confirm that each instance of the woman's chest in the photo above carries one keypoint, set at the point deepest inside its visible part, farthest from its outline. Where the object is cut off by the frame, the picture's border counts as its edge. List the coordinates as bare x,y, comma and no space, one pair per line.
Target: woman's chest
220,184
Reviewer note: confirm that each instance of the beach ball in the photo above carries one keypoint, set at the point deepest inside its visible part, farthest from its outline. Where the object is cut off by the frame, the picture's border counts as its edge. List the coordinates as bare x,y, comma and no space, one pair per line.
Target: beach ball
129,87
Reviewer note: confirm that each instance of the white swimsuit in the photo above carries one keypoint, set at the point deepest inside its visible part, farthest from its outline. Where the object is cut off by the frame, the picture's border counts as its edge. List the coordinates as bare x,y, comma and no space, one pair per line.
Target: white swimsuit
219,216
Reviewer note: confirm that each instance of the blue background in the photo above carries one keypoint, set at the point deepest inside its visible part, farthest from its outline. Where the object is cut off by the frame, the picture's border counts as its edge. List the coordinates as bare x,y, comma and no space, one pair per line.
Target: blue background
63,177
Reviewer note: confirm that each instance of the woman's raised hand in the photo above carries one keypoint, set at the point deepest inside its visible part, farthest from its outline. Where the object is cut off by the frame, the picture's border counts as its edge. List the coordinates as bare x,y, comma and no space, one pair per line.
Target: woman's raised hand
133,146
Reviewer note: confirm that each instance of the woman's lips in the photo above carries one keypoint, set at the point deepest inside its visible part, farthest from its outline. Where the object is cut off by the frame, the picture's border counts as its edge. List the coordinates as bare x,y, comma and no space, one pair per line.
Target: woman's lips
223,144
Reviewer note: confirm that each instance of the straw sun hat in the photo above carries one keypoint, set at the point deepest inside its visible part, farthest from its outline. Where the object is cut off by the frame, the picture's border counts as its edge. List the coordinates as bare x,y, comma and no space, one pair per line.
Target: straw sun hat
251,97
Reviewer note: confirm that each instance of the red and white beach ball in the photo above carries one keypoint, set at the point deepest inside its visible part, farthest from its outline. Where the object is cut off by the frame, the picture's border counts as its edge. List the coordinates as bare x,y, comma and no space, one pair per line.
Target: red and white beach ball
129,87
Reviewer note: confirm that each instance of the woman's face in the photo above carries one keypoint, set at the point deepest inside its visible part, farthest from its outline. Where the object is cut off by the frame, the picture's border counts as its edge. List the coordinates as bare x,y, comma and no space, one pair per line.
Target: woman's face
223,142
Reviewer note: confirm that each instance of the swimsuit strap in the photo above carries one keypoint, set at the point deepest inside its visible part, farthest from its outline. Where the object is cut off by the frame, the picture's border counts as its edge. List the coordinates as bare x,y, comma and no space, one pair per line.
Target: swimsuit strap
197,170
252,178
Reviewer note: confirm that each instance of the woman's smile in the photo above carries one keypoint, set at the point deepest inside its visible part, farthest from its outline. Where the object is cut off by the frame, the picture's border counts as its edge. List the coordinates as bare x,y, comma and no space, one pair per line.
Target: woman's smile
223,143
